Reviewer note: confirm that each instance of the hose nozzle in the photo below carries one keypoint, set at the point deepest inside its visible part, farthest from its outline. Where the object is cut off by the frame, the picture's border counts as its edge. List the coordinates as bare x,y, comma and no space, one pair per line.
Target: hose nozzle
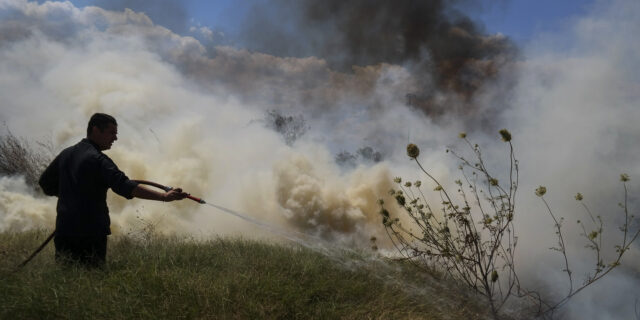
198,200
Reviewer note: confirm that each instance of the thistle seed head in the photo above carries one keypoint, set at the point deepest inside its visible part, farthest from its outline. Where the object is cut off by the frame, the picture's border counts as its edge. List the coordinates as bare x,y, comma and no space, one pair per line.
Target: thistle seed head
540,191
413,151
506,135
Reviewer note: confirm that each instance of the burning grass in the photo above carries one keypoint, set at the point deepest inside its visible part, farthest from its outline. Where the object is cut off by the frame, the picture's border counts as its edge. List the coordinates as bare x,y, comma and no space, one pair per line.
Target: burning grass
219,279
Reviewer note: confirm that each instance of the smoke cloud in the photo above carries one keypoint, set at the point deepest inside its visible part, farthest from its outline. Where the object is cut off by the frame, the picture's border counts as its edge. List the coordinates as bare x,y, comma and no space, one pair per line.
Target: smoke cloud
171,14
448,55
172,130
193,116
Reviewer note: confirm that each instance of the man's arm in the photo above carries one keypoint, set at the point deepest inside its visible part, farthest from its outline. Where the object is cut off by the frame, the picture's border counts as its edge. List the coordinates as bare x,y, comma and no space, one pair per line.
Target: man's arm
145,193
122,185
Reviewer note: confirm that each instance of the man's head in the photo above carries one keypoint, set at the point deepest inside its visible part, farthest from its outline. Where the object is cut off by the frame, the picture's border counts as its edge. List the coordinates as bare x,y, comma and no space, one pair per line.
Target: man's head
102,130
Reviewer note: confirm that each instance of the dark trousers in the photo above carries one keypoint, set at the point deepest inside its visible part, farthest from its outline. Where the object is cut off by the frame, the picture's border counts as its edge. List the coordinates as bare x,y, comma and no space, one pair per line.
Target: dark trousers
90,251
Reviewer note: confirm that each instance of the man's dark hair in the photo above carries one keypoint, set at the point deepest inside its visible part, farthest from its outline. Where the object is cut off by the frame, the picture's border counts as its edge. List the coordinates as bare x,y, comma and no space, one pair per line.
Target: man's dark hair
100,120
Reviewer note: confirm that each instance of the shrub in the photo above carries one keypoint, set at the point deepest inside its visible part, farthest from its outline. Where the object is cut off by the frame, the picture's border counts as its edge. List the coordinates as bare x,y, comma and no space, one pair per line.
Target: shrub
472,238
290,127
19,158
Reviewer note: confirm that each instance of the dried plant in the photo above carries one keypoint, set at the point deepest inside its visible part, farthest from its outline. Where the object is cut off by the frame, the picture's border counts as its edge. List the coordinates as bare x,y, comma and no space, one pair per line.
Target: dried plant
593,237
144,230
471,237
19,158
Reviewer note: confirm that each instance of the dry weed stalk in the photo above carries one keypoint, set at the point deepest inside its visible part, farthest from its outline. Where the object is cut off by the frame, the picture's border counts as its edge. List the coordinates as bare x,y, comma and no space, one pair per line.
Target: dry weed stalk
472,237
18,158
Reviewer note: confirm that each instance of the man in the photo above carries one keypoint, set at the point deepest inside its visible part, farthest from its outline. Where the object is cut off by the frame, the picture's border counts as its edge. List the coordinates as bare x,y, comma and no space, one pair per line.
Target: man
80,176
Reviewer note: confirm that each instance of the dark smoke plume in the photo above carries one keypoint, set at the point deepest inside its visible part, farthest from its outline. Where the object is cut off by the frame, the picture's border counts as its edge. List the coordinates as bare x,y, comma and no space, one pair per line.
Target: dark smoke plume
448,54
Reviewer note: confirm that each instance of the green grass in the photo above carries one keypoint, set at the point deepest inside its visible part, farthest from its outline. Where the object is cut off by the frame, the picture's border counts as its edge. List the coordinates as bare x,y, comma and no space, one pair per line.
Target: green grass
220,279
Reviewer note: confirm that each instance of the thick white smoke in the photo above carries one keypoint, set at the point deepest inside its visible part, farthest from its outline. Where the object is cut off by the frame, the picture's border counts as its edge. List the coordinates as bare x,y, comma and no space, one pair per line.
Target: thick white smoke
60,64
192,117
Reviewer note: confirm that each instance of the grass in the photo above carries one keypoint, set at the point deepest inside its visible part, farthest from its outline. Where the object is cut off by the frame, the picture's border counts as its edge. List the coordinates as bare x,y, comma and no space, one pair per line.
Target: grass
220,279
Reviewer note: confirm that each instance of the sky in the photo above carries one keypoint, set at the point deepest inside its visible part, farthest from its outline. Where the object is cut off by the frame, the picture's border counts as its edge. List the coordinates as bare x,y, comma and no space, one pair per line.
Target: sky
522,19
297,115
519,19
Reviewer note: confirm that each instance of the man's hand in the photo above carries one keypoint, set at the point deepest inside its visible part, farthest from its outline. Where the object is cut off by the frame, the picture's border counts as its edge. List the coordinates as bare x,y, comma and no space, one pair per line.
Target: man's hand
146,193
174,194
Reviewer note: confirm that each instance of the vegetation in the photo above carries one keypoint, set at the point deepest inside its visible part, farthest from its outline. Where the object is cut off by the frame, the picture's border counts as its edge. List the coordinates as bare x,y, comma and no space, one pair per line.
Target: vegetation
290,127
17,157
475,249
469,234
220,279
365,154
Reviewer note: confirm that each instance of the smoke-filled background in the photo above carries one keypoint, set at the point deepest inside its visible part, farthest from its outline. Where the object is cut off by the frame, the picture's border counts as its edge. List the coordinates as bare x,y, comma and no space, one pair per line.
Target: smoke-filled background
306,123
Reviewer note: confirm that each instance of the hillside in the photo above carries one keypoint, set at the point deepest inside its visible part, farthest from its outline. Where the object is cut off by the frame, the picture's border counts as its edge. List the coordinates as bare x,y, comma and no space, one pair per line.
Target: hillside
221,279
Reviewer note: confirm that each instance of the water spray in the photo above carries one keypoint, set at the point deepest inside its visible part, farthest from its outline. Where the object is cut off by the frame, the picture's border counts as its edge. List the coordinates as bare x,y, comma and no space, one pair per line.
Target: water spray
264,225
297,237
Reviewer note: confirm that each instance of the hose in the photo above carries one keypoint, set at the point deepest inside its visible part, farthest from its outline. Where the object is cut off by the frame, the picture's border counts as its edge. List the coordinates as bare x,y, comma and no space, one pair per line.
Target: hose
44,244
167,189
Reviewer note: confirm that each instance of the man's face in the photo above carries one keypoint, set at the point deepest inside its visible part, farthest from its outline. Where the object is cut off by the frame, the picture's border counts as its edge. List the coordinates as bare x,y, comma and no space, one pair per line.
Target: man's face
104,139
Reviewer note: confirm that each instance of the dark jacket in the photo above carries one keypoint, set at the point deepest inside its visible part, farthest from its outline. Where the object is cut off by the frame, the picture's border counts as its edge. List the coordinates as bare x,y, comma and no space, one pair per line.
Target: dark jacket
80,176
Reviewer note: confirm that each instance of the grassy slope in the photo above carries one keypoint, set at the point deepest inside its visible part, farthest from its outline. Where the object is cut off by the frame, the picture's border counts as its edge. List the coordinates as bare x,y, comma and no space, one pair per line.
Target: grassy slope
219,279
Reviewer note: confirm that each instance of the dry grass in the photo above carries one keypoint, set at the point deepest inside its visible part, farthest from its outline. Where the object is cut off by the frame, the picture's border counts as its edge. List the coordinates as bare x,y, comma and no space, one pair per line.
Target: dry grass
18,157
221,279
